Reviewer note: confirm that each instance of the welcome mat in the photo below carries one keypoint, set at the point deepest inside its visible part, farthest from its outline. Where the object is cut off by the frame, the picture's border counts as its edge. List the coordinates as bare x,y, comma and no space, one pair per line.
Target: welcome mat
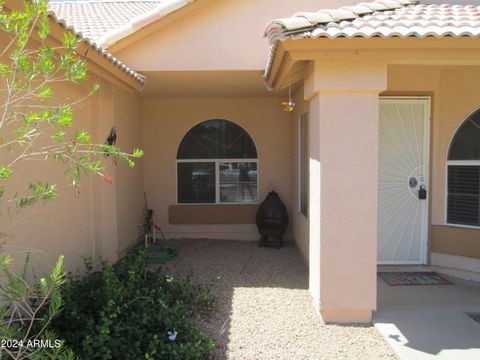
413,278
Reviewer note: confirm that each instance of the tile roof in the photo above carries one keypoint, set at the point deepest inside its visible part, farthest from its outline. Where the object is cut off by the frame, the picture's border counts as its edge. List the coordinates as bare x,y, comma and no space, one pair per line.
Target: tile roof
380,18
100,23
112,59
95,18
107,21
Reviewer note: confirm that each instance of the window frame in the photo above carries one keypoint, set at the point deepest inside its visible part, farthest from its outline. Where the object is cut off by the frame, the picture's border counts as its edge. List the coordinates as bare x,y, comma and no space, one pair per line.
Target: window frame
217,162
307,164
457,163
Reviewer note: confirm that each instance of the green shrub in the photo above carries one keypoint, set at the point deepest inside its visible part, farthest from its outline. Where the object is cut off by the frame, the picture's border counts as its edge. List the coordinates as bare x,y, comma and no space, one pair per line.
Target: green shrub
27,309
126,312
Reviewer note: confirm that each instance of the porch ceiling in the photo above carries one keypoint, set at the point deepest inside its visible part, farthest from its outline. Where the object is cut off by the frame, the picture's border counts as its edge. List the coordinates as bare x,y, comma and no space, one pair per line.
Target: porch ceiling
207,84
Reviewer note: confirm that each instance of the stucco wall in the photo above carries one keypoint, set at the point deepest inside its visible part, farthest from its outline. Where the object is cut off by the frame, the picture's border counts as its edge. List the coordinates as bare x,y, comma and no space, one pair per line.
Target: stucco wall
129,181
83,225
222,35
166,121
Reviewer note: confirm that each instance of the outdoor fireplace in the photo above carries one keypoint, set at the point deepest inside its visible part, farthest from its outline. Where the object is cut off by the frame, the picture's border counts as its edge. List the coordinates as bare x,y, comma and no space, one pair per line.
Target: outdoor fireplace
272,220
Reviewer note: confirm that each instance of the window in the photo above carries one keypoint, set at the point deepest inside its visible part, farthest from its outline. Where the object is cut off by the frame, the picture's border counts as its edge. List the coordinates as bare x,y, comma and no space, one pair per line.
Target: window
304,160
463,192
217,163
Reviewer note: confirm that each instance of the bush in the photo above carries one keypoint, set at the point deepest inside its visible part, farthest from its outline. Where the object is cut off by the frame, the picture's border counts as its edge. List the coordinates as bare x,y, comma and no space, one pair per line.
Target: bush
26,311
126,312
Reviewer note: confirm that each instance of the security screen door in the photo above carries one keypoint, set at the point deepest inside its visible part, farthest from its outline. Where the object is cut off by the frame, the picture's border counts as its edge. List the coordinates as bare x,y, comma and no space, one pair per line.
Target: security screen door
403,180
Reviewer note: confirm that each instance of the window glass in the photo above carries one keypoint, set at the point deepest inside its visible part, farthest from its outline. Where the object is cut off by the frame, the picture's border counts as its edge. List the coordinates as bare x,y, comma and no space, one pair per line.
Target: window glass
463,201
304,160
463,195
217,139
466,142
196,182
216,163
238,182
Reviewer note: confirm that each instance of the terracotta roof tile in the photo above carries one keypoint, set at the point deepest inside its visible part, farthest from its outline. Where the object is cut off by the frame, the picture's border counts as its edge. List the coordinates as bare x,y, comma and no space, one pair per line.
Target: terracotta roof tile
381,18
95,18
112,59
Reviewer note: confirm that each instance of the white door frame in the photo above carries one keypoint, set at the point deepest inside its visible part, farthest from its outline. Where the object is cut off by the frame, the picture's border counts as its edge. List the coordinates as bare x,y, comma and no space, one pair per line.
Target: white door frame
426,161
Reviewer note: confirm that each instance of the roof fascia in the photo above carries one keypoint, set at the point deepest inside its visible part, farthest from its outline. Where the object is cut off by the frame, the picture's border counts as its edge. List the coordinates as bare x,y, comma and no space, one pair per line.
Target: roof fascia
394,51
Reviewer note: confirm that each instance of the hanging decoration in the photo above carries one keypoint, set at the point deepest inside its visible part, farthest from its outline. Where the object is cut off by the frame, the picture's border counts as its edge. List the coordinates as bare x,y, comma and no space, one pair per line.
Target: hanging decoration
290,104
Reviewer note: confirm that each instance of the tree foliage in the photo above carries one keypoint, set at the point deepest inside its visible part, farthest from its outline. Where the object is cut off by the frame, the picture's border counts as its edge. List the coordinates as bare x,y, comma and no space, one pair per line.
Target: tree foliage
36,124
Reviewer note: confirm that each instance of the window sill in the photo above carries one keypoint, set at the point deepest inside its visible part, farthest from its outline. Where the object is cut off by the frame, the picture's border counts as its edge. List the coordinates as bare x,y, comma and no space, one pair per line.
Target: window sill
473,227
204,214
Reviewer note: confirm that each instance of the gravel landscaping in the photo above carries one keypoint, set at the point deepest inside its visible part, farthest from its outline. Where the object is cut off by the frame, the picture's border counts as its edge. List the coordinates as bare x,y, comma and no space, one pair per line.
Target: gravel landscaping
264,309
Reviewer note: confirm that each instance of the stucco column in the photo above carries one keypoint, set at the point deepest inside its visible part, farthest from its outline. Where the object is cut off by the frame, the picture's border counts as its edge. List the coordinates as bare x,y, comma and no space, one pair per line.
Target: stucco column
344,100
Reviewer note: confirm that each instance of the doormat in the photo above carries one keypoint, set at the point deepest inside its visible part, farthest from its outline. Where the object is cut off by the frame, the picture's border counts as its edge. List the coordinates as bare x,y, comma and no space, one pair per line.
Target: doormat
413,278
474,316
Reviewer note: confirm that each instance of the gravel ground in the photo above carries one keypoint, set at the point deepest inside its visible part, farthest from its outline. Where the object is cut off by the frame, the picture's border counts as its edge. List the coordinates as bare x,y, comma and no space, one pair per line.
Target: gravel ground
264,310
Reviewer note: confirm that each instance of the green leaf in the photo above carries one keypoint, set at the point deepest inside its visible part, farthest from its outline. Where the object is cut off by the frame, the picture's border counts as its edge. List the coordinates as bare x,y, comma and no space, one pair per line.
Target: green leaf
82,137
45,92
5,70
40,192
95,88
137,153
5,172
64,116
43,28
59,136
69,40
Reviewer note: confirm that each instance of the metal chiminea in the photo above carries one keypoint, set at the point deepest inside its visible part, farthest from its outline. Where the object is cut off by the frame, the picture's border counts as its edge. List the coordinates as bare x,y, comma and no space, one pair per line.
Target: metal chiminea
272,220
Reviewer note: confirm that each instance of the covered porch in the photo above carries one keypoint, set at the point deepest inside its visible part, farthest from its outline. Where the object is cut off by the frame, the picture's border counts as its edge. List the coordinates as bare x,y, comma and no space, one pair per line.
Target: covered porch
363,93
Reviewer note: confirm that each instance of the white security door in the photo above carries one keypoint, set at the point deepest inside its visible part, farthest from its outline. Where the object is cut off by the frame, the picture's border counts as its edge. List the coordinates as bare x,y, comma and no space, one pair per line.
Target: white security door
403,180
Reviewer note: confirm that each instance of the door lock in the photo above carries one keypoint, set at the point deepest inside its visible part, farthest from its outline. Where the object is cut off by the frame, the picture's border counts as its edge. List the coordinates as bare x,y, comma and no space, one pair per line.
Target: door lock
422,192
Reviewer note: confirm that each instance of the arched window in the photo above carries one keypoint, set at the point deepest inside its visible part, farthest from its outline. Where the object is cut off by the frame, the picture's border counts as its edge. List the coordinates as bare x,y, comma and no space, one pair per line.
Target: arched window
464,174
217,163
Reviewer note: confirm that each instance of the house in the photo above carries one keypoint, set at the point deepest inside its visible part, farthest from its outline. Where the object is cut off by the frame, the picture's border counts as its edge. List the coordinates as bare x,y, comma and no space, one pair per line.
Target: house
378,163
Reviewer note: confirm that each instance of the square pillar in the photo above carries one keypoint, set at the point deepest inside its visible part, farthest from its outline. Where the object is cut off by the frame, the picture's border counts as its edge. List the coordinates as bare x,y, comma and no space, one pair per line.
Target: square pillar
344,111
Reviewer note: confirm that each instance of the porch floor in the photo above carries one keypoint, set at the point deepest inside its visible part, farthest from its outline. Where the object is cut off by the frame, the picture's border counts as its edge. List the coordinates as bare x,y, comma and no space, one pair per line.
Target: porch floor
427,322
264,308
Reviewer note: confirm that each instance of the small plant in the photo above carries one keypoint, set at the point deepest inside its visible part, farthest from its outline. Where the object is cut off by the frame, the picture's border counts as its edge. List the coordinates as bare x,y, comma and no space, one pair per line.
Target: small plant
126,312
26,313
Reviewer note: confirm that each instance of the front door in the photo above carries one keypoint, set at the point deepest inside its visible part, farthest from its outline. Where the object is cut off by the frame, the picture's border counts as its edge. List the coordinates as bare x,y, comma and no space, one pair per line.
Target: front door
403,180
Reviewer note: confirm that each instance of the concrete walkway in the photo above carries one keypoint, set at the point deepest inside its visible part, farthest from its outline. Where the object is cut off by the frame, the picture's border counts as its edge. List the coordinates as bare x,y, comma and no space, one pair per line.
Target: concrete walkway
429,322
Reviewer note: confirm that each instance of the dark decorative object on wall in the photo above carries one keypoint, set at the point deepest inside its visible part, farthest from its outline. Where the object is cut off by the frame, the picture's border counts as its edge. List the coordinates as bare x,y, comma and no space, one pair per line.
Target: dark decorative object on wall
272,220
112,140
112,137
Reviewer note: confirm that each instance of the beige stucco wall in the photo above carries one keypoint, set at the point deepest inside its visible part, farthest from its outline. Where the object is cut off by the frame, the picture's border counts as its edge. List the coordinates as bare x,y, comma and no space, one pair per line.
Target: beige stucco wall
221,35
129,181
102,220
166,121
